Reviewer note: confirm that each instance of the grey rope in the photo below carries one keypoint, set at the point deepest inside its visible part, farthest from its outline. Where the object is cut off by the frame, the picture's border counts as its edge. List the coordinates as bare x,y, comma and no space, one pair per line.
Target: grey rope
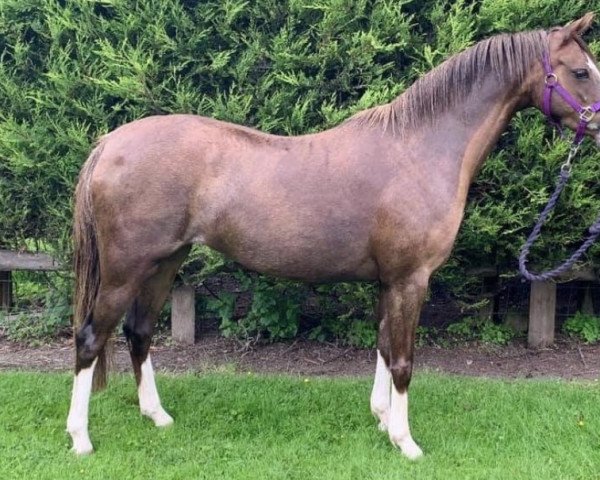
565,173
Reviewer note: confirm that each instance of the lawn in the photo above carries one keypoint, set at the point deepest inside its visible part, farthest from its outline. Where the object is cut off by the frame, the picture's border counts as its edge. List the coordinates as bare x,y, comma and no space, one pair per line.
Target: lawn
234,426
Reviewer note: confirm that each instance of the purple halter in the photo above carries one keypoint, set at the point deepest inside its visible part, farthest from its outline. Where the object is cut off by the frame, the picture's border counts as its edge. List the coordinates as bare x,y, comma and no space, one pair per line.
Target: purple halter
586,114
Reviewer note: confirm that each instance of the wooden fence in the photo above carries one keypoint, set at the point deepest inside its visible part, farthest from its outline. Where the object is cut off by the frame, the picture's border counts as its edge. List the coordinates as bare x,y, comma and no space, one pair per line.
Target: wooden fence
10,261
182,302
542,299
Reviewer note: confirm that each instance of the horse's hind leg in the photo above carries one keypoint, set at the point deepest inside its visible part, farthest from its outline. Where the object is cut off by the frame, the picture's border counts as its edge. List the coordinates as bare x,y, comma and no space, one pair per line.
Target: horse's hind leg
139,328
402,301
110,305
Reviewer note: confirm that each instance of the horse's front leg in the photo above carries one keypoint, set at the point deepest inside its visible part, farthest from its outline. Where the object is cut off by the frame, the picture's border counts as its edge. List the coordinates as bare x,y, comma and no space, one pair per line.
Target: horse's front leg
401,302
380,395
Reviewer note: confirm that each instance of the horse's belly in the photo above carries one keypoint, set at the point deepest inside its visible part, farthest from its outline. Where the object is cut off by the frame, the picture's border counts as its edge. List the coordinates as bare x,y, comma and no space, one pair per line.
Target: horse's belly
298,262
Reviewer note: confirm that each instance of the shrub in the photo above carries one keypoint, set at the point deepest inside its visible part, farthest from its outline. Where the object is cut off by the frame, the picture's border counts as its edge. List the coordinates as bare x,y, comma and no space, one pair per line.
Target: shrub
35,327
76,69
474,328
583,327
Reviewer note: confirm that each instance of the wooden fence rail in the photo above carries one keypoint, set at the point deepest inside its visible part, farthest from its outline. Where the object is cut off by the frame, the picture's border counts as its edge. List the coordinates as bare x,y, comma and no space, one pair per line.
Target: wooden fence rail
10,261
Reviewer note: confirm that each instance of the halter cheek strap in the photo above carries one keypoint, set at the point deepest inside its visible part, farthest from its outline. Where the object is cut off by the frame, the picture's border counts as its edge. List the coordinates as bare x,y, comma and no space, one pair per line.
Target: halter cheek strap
586,114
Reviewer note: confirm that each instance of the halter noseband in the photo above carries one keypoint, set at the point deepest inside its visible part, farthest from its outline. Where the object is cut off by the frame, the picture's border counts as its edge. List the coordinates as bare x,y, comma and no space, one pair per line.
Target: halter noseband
586,114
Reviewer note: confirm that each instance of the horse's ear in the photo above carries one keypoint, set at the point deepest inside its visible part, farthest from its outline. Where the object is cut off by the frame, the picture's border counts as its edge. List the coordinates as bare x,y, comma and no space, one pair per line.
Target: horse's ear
580,26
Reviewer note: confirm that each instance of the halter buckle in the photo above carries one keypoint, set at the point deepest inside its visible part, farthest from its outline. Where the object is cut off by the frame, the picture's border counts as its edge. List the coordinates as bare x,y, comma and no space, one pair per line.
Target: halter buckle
586,114
551,79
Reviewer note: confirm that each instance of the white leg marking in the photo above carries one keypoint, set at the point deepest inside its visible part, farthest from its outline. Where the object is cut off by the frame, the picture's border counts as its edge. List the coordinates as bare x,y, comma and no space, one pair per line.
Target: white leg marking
398,427
148,395
77,421
380,396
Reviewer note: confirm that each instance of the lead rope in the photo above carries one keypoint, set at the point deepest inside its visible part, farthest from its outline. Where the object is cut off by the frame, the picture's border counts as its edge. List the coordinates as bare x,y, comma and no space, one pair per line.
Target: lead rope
565,173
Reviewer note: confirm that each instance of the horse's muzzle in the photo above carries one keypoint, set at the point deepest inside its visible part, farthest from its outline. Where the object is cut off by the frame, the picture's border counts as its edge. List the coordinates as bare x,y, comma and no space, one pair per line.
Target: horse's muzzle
594,129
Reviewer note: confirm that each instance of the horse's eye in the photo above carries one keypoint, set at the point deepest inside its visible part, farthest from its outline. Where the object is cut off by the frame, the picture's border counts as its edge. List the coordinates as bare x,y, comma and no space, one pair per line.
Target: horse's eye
581,74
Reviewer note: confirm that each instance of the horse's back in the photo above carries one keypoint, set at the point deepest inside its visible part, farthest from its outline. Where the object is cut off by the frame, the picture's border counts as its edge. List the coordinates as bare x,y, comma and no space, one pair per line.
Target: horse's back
311,207
280,205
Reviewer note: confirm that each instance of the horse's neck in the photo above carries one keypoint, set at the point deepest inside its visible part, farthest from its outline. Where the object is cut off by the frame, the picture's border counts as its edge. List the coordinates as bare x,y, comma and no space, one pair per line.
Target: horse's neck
448,152
468,132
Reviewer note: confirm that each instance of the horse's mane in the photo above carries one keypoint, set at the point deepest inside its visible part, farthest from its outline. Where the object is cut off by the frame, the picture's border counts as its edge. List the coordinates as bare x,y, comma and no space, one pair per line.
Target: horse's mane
508,56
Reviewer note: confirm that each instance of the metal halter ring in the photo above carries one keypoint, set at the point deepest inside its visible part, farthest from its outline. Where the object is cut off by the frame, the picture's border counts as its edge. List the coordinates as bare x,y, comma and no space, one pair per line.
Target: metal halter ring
586,114
551,79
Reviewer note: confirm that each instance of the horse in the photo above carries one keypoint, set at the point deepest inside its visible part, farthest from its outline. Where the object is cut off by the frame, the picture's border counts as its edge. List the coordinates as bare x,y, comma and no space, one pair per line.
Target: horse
380,197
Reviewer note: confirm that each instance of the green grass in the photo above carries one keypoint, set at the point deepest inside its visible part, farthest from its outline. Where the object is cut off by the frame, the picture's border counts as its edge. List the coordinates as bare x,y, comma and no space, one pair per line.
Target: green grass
234,426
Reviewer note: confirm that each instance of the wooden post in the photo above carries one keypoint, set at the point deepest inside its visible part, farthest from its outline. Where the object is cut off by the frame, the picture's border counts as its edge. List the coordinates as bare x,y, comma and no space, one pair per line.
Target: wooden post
183,315
542,309
489,289
587,305
5,290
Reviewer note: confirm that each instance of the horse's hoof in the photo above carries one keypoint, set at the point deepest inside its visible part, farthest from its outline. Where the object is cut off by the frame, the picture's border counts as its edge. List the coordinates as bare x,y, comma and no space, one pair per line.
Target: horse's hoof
160,418
409,448
163,421
83,449
81,442
382,415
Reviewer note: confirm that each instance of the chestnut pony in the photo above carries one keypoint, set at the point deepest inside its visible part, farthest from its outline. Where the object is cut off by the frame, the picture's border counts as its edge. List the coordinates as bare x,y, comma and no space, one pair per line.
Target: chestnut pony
380,197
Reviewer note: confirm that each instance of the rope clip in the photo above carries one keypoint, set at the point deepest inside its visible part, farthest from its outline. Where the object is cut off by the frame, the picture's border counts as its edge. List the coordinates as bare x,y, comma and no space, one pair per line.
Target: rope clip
565,168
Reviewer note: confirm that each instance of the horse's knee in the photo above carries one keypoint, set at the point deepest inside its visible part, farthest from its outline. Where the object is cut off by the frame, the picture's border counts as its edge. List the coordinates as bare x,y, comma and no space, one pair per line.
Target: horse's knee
401,370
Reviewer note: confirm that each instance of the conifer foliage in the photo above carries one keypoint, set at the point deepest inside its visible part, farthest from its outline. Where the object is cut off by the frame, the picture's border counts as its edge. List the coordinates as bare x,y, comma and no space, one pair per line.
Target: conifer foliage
72,70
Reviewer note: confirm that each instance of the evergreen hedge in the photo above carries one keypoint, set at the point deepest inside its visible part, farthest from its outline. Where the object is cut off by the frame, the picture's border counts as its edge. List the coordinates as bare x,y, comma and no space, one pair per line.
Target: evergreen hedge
72,70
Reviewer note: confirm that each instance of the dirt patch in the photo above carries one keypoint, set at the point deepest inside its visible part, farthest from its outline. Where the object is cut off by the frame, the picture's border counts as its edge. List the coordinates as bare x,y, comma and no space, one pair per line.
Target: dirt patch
567,359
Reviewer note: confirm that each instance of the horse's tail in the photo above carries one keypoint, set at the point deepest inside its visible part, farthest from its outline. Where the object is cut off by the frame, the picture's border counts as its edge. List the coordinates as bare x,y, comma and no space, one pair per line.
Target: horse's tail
86,261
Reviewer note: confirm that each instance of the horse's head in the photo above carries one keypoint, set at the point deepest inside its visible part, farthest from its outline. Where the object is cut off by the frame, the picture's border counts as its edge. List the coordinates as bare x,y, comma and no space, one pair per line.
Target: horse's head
572,80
